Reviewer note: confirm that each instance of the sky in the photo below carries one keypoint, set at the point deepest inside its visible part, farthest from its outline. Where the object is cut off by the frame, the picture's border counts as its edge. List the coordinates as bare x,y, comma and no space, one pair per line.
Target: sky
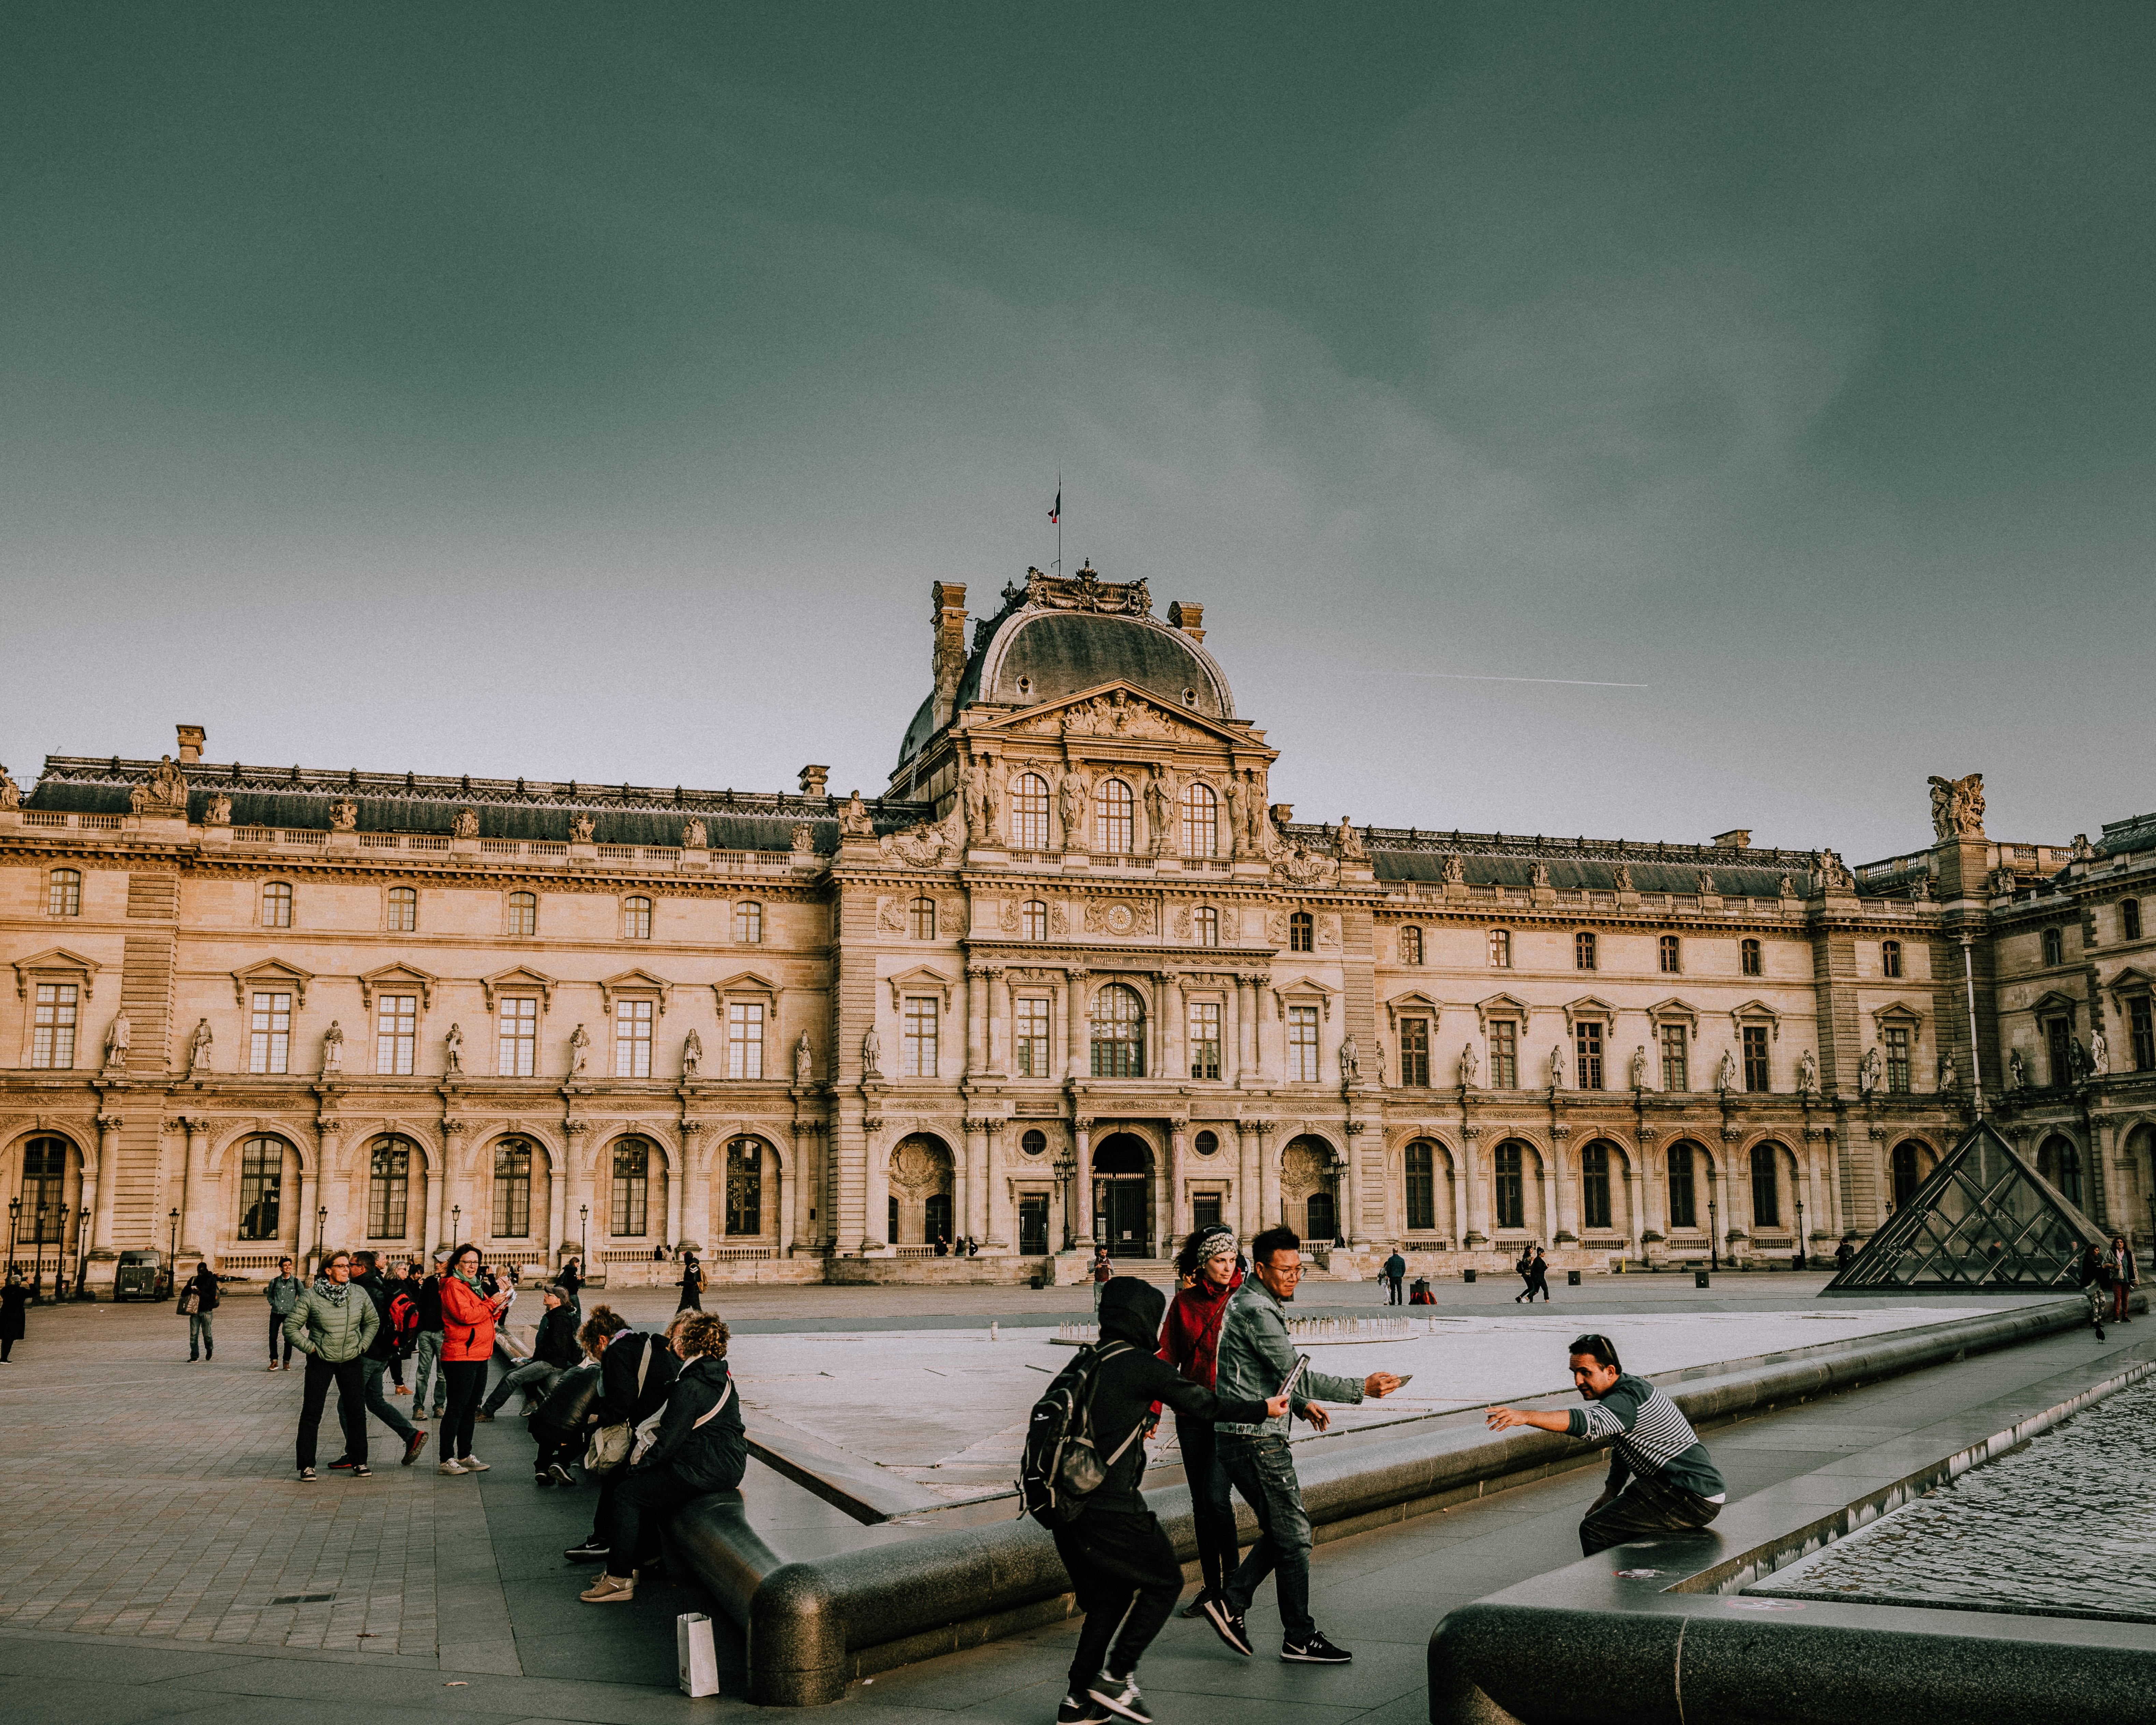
595,392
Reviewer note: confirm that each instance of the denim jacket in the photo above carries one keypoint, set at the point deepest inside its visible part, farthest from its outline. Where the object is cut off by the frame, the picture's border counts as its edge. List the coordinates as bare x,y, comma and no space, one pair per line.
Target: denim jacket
1256,1357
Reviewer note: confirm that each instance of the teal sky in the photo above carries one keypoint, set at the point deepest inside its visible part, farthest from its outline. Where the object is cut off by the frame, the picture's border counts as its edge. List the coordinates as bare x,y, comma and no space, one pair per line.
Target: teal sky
594,391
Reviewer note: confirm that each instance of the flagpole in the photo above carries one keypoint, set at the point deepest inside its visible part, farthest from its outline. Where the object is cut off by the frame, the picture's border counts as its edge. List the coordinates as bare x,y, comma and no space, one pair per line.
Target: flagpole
1058,523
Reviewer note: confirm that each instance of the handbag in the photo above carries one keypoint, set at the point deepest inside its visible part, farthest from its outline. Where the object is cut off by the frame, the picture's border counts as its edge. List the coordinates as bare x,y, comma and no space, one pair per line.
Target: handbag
610,1444
190,1300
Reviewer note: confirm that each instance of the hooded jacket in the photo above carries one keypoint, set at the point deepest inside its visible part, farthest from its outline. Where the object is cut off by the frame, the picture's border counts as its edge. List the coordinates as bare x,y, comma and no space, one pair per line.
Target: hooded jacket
556,1340
575,1394
712,1458
1130,1383
203,1281
332,1323
429,1298
1190,1341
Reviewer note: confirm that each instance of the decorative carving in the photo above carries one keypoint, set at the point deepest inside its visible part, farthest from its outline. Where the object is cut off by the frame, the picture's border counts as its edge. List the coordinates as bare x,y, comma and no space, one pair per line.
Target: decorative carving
11,793
1639,1066
199,1047
1787,888
1160,806
333,1049
580,828
1725,1075
854,821
915,1168
1328,932
1958,806
804,837
165,792
1086,591
1556,1065
1706,881
1303,866
890,915
580,1051
1833,877
1470,1065
871,1054
1949,1077
2099,1054
1870,1073
467,825
1541,875
1276,928
1623,877
951,918
117,1038
344,816
1118,917
1183,923
692,1054
1455,870
920,847
1351,1059
1347,844
219,811
1059,918
695,836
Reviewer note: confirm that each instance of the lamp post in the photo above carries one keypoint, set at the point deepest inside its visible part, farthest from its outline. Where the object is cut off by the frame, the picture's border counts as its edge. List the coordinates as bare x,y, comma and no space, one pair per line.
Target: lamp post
456,1225
14,1214
37,1264
1713,1232
584,1238
1804,1250
81,1252
172,1252
321,1224
1066,1170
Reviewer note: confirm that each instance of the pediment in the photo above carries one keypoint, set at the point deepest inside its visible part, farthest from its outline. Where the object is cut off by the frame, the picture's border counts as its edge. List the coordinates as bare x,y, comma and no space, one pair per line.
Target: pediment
639,981
1588,1006
1116,711
2132,980
1758,1011
1500,1006
1899,1012
55,959
1674,1008
390,976
269,971
518,976
1304,987
1414,1000
919,980
2051,1002
745,981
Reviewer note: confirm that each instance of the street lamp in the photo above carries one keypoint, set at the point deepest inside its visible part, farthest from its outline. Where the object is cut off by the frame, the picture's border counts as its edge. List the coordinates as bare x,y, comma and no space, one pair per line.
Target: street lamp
1066,1169
584,1237
14,1214
38,1267
1803,1252
82,1253
172,1252
456,1225
321,1225
1714,1234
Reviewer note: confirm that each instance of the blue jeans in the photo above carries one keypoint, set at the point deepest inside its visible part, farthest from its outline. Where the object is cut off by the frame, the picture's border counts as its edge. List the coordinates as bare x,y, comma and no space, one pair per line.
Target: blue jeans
199,1338
1212,1511
1264,1472
427,1357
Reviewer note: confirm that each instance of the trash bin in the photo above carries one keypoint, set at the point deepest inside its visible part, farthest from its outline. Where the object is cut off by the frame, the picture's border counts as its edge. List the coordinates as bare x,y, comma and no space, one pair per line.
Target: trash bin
1571,1278
1469,1274
1699,1278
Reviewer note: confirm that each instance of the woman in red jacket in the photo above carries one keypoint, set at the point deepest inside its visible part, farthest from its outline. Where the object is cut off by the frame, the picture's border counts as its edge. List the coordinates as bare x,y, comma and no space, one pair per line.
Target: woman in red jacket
1190,1342
468,1319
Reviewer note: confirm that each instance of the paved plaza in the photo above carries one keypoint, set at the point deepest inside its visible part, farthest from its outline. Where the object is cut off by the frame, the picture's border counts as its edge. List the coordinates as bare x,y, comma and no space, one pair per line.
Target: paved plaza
159,1560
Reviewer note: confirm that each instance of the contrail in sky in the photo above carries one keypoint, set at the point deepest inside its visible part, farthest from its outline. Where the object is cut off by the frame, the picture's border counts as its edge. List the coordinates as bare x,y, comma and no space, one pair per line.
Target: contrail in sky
1471,677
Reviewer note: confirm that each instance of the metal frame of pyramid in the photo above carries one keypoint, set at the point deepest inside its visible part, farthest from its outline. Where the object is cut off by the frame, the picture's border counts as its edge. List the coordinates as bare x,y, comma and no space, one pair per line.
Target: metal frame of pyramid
1985,1218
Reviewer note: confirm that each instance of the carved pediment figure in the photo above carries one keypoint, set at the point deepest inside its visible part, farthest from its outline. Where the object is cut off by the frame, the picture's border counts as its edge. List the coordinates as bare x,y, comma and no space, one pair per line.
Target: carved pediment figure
467,825
344,816
1470,1065
580,828
854,821
695,836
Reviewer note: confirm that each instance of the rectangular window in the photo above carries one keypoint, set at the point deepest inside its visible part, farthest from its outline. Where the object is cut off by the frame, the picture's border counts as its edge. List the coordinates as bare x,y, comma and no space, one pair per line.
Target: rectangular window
1749,952
261,1188
1204,1038
1302,1044
1501,948
1032,1034
1504,1054
269,1048
748,924
1582,951
1897,1059
512,1191
1766,1197
1587,1042
1594,1186
744,1039
1684,1207
388,1192
1414,1053
1421,1188
52,1036
395,1035
2057,1033
64,894
632,1039
404,910
1672,956
1509,1185
1676,1064
2142,1022
917,1052
516,1044
1205,1215
1758,1075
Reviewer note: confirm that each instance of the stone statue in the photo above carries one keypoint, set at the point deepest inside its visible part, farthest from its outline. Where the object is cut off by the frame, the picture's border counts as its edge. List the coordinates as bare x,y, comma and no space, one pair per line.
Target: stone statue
1347,844
1470,1064
1623,877
580,828
344,816
1379,1072
165,792
333,1048
871,1054
804,837
117,1039
1351,1059
1832,876
973,799
1541,875
692,1054
2076,1062
1556,1065
1160,810
453,1050
695,836
1455,870
1070,807
219,812
1725,1077
2017,1075
1868,1075
804,1061
580,1051
11,793
198,1047
2099,1054
1639,1067
1949,1077
1787,888
1808,1074
1239,797
1958,806
854,822
467,825
1254,812
1705,881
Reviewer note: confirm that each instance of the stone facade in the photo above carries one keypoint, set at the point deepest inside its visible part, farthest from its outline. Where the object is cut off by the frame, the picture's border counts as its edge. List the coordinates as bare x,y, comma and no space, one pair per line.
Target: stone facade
1075,976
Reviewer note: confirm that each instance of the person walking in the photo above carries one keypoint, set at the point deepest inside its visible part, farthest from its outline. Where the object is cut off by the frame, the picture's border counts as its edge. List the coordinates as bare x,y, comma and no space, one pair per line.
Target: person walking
427,1347
2092,1272
14,1304
1190,1342
1395,1273
571,1282
403,1282
2125,1273
374,1360
468,1317
1101,1271
1525,1270
283,1294
692,1284
331,1323
1538,1278
554,1350
700,1447
1256,1359
198,1300
636,1370
1660,1481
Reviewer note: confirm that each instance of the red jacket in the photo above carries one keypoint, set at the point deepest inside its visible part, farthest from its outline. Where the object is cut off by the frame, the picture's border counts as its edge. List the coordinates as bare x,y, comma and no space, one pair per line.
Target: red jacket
467,1323
1190,1338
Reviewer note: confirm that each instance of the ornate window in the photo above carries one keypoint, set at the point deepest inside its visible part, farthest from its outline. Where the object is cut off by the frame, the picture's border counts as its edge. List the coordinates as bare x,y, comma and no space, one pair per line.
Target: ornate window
921,918
1890,958
397,1034
516,1041
1672,953
1510,1177
1033,919
1501,949
1758,1072
1906,1176
1113,821
1414,1053
523,915
2059,1161
1118,1033
276,905
1302,931
389,1189
1421,1163
1749,957
1411,945
1504,1054
1030,1032
1766,1190
45,1190
636,917
1676,1058
512,1189
1029,812
632,1038
2130,919
1583,950
64,893
1302,1044
270,1034
2054,947
749,923
1035,1142
1594,1186
632,1187
52,1032
745,1186
1201,820
1205,924
261,1187
1206,1143
1204,1038
1684,1207
917,1040
404,910
1587,1045
744,1039
1897,1039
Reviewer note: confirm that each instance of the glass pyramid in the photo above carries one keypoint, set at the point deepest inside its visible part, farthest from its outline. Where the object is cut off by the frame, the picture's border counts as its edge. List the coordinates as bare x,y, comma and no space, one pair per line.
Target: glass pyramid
1984,1218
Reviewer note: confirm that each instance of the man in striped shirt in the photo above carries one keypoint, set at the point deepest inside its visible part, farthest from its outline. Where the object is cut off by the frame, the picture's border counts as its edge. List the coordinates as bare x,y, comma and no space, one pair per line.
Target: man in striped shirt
1673,1486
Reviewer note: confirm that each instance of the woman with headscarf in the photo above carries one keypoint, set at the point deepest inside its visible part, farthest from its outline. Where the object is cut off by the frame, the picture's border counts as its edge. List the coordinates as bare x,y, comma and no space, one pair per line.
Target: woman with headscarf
1190,1342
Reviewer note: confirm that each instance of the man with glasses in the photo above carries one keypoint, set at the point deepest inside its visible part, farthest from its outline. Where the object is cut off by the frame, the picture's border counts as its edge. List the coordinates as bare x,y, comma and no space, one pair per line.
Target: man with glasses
1256,1360
332,1323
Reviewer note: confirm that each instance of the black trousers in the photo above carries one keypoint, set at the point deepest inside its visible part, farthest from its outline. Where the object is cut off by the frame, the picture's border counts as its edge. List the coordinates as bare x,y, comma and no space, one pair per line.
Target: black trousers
352,1406
1212,1510
555,1444
643,1497
467,1382
1128,1581
1647,1508
276,1335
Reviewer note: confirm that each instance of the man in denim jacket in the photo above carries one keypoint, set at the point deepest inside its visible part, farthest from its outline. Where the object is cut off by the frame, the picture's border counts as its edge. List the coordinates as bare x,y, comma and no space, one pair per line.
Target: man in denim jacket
1255,1359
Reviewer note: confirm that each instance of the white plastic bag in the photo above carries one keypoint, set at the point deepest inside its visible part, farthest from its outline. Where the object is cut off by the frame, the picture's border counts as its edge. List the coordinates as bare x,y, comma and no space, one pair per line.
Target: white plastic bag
698,1659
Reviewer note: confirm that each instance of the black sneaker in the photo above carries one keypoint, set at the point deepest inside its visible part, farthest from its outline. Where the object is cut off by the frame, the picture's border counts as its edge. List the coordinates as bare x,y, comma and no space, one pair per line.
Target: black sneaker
1071,1711
541,1477
1313,1650
1227,1624
1120,1696
341,1464
590,1552
360,1470
560,1475
1196,1608
306,1476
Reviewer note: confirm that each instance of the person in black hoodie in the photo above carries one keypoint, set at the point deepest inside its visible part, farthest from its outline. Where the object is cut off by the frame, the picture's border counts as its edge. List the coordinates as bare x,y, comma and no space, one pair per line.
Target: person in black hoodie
427,1347
621,1353
1124,1570
554,1350
374,1361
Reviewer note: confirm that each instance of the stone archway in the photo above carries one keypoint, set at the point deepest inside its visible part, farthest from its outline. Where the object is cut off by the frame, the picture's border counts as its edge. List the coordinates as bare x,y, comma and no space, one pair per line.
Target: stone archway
1122,1195
920,1188
1310,1198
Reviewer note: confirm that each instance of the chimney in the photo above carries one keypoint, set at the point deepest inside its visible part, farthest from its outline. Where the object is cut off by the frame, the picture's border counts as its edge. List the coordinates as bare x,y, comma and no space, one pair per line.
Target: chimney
1187,617
1736,839
1282,813
813,781
192,739
948,662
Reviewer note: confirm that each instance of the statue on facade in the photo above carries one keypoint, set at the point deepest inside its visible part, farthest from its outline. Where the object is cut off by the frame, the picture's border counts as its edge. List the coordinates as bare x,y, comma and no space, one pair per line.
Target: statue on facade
1949,1075
11,793
165,792
1869,1075
871,1054
1070,807
1706,881
117,1039
695,836
452,1050
1347,844
1351,1059
199,1047
218,814
1455,870
344,816
1808,1074
1556,1065
1260,824
2082,850
1725,1077
1639,1067
580,828
1470,1065
973,800
2076,1062
1958,806
580,1051
804,837
2099,1053
1160,809
854,822
467,825
804,1061
1623,877
1787,889
692,1054
2017,1075
333,1048
1541,875
1239,797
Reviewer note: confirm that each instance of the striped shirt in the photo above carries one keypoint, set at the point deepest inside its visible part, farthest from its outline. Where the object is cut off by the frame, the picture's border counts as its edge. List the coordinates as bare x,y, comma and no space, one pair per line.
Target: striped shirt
1652,1437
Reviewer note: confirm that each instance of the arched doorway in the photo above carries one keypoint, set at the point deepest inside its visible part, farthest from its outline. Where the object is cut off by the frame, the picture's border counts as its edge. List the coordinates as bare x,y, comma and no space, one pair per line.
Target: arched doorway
2059,1161
1122,1195
1309,1197
1907,1169
921,1186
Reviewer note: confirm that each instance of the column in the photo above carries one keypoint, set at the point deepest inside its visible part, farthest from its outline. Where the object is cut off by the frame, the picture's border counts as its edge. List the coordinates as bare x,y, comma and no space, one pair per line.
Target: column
1476,1207
1175,1060
1564,1184
306,1196
972,1184
792,1179
1231,1034
558,1200
677,1177
995,1192
1818,1211
1246,1180
991,999
876,1225
1081,1063
458,1218
976,1059
329,1187
1082,1138
1269,1175
575,1223
1178,1199
1635,1213
1653,1217
192,1196
1356,1232
108,1182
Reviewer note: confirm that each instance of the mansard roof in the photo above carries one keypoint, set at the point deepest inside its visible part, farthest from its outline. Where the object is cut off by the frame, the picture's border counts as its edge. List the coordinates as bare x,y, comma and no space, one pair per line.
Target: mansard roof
1510,860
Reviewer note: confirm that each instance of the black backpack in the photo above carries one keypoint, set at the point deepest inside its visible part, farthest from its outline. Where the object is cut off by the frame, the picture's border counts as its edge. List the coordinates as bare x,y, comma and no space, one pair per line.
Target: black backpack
1061,1467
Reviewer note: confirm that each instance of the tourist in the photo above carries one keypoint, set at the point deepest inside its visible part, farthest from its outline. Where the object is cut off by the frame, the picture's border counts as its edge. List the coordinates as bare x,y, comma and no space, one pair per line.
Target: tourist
1102,1270
1395,1273
199,1299
692,1284
1538,1278
1190,1342
1256,1359
636,1370
427,1347
571,1282
283,1294
700,1447
1525,1270
331,1324
403,1322
2093,1272
1843,1255
14,1303
374,1360
2124,1274
469,1318
558,1426
1662,1479
554,1350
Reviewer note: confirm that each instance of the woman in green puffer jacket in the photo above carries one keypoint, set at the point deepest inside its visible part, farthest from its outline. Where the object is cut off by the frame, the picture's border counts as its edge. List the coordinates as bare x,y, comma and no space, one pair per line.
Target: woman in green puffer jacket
331,1324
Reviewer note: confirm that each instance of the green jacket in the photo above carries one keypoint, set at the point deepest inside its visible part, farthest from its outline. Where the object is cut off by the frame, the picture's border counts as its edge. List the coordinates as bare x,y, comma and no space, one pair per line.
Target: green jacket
283,1294
1256,1357
330,1329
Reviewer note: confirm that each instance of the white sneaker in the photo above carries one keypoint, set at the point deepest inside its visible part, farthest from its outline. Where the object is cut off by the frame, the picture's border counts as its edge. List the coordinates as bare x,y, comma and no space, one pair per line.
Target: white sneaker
452,1465
474,1464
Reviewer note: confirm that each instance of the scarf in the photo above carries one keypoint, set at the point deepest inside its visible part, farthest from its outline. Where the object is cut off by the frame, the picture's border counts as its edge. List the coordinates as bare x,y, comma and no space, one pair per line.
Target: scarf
335,1293
472,1282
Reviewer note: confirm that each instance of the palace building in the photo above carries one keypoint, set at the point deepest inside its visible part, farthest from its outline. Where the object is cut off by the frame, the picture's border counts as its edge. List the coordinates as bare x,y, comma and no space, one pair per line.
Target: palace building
1073,978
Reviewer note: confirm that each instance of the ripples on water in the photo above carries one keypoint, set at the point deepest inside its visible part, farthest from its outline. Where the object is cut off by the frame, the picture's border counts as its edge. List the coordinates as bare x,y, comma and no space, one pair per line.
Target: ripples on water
2066,1526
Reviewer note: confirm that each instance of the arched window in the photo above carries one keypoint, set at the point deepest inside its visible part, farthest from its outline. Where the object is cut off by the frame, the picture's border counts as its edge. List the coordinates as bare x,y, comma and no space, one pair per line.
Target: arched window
745,1186
1205,925
1118,1023
388,1189
1411,946
1113,822
1034,1143
1302,932
1583,950
749,923
1890,958
1033,919
523,915
1509,1172
64,893
1907,1175
1766,1190
632,1186
1671,956
403,909
45,1190
1594,1186
1201,820
636,917
261,1187
512,1189
1422,1187
2054,947
2130,919
276,906
1684,1207
1748,957
1501,949
922,919
1029,812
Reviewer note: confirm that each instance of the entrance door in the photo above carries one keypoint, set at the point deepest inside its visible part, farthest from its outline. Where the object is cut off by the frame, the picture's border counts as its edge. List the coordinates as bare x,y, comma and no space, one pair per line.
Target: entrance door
1033,1226
1204,1210
1119,1209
